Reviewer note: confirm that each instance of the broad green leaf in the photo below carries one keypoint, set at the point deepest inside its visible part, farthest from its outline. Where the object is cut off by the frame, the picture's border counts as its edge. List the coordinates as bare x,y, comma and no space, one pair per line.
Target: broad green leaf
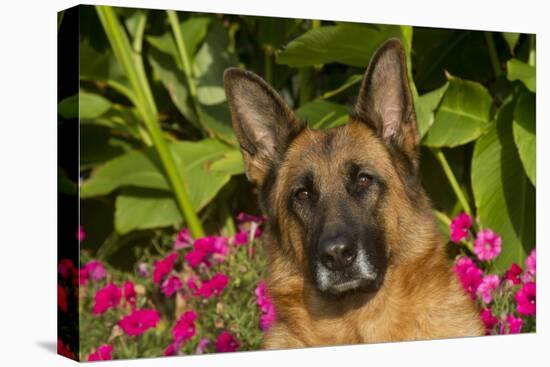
347,43
124,119
211,60
525,133
98,144
138,209
523,72
217,120
193,31
321,114
504,197
463,115
231,163
172,78
461,53
141,168
425,106
83,105
511,40
273,32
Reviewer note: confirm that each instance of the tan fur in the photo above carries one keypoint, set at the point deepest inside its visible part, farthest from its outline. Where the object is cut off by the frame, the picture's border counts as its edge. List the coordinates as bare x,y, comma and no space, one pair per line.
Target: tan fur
420,297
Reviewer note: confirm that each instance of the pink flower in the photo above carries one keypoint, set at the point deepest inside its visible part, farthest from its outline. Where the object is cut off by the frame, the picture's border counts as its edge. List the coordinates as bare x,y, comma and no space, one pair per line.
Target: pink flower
171,350
460,227
526,299
226,343
204,248
201,346
240,238
488,287
514,325
531,264
487,245
513,274
96,270
244,218
185,327
129,293
268,314
164,267
183,239
83,276
139,321
80,234
171,285
103,353
65,268
63,349
106,298
489,320
214,286
192,283
143,269
469,274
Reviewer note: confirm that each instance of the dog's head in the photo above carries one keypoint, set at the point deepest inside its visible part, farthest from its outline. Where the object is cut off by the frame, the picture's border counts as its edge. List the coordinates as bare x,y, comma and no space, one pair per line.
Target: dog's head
340,201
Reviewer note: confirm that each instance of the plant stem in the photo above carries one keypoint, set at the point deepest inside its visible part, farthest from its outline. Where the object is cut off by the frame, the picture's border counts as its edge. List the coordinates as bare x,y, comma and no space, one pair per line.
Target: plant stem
452,180
186,64
132,65
495,62
532,50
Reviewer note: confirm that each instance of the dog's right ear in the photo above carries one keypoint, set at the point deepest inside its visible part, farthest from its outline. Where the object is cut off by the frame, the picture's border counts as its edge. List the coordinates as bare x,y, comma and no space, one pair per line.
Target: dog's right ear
262,121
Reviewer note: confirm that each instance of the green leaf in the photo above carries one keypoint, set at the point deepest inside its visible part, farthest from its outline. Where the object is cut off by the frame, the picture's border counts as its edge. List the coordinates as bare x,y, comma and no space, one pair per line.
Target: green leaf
99,144
231,163
85,105
194,30
141,168
518,70
425,106
347,43
463,115
525,133
504,197
138,209
64,184
511,40
321,114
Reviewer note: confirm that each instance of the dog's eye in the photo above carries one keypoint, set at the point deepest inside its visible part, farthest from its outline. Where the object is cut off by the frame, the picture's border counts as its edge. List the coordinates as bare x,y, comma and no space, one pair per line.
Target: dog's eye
364,179
302,195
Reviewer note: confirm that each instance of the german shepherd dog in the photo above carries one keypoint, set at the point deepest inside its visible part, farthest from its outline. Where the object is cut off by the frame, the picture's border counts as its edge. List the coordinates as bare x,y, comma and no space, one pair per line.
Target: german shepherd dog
354,252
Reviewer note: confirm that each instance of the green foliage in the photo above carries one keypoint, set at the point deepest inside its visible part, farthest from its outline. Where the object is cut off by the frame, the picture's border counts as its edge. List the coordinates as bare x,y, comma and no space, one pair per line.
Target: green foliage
156,77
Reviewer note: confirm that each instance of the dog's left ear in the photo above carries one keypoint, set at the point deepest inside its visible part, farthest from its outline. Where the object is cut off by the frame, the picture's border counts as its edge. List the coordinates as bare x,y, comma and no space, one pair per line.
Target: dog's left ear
385,101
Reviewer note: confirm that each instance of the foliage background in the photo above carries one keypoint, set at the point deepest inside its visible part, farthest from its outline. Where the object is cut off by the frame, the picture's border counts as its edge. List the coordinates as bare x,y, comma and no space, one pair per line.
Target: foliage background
158,152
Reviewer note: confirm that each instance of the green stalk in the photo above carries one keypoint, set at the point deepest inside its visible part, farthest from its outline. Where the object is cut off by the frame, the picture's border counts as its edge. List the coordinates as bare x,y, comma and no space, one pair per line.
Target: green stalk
452,180
532,50
307,76
132,66
186,63
495,62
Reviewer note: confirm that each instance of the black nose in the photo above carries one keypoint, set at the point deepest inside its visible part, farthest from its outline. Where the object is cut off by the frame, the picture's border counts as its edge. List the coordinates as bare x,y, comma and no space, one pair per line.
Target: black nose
338,255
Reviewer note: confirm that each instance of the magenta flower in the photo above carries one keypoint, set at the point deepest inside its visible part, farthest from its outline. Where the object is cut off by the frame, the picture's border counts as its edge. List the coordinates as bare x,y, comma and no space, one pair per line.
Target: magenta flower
65,268
106,298
214,286
202,345
487,245
226,343
171,285
83,276
514,324
245,218
240,238
62,298
526,299
80,234
172,349
139,321
205,248
513,274
164,267
183,239
103,353
129,293
488,287
489,320
263,300
96,270
469,274
460,227
531,264
192,283
185,327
